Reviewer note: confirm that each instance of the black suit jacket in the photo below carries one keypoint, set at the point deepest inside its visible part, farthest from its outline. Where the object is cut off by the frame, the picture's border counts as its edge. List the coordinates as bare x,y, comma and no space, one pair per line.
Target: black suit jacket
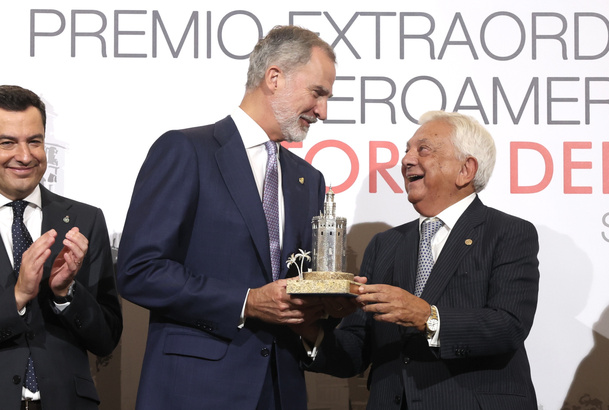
58,343
194,241
484,284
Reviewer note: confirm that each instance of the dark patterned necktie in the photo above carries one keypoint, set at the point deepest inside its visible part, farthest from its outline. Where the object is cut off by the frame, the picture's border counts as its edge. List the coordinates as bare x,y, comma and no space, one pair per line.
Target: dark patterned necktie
426,262
21,242
270,204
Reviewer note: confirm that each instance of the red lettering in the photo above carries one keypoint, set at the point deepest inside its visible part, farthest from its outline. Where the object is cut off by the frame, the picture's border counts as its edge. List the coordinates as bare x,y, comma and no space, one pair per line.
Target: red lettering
347,150
288,145
515,187
569,165
605,167
382,167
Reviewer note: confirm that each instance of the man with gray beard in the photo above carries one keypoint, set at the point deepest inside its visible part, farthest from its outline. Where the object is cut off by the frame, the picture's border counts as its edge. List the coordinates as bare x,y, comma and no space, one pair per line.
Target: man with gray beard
215,212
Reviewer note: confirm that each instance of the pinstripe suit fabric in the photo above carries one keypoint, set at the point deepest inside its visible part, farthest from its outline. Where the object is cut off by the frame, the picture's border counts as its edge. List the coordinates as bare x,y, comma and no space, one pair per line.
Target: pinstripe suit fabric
485,285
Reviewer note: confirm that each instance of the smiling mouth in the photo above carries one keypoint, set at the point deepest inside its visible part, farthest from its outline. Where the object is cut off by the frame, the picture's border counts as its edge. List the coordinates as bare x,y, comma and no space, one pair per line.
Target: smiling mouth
308,119
412,178
21,170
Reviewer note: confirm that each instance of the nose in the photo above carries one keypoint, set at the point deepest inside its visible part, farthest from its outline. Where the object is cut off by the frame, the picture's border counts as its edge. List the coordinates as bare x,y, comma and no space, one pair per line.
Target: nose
410,158
23,154
404,165
321,108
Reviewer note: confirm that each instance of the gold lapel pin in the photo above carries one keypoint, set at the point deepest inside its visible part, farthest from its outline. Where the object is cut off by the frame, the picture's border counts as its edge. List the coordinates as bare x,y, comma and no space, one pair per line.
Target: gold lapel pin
301,180
468,242
66,219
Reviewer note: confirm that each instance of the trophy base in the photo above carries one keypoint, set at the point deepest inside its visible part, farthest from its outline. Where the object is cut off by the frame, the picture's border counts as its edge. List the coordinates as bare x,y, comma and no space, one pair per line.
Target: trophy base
323,283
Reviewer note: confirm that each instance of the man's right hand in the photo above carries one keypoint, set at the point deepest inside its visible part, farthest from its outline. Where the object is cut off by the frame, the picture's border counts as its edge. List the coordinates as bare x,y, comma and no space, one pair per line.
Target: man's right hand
32,266
271,303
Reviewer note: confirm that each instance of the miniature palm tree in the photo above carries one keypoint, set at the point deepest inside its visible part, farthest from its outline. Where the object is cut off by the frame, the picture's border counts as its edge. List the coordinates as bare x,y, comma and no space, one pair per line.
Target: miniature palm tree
293,259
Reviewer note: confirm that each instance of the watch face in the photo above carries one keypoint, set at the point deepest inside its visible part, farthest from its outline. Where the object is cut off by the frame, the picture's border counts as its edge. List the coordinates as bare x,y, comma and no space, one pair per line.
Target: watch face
432,325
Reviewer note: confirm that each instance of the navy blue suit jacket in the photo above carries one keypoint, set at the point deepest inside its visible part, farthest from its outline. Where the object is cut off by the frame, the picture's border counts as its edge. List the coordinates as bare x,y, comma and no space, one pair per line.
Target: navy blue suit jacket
58,343
194,241
485,285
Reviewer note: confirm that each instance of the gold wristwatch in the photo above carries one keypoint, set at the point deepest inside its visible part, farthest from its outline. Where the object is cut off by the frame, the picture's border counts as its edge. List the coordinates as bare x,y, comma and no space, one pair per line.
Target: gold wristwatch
433,322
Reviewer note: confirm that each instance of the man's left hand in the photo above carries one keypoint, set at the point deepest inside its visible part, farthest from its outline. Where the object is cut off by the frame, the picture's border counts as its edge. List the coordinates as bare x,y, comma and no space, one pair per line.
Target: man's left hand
395,305
68,262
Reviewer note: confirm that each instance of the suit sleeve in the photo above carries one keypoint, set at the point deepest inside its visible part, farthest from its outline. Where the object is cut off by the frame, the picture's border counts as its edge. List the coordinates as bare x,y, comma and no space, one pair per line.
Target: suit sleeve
11,324
156,240
345,351
497,317
94,315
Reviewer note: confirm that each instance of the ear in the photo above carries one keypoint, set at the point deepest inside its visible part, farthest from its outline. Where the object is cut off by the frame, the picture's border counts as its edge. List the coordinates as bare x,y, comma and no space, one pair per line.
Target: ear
273,78
467,172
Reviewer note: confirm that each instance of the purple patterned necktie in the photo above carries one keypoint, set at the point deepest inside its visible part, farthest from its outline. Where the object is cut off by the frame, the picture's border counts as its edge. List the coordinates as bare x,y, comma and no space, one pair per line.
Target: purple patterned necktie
426,262
270,204
21,242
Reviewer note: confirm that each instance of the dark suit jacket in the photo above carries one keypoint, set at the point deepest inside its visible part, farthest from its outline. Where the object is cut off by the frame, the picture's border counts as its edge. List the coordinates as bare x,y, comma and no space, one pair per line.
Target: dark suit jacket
484,284
58,343
194,241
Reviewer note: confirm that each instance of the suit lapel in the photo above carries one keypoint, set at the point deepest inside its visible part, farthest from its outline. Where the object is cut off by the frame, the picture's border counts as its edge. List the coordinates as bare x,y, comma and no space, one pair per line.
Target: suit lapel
7,279
56,215
236,171
457,246
295,204
406,259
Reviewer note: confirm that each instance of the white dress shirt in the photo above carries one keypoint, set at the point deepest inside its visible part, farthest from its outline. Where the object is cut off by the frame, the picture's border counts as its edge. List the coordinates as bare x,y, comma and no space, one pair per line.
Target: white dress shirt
449,216
32,218
254,138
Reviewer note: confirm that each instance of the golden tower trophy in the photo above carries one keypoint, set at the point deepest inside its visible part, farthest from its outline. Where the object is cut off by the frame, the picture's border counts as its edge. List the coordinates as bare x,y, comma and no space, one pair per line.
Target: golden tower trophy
326,276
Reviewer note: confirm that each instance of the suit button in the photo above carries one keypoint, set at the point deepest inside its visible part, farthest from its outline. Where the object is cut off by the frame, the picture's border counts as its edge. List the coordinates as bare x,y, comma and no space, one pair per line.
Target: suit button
406,360
397,399
16,379
265,352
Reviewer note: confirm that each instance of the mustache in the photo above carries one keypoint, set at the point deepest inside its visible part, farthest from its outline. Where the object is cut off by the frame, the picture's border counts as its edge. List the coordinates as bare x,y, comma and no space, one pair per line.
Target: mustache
310,118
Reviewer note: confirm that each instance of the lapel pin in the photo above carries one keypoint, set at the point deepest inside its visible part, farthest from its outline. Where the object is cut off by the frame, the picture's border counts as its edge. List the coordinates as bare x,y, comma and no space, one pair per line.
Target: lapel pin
301,180
66,219
468,242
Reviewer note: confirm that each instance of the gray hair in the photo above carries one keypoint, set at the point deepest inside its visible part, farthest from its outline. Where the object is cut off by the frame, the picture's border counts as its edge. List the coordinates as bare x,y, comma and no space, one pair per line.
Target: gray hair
287,47
470,139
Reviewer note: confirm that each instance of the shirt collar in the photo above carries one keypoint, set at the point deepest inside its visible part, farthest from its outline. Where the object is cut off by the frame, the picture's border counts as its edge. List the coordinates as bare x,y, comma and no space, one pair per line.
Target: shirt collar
34,198
251,133
451,215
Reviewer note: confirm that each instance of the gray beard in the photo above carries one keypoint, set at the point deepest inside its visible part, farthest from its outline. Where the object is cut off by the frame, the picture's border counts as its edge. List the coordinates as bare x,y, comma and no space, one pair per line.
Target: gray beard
288,123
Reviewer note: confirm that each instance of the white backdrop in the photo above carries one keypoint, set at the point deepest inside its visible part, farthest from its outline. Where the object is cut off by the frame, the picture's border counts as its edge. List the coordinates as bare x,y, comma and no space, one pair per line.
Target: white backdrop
117,74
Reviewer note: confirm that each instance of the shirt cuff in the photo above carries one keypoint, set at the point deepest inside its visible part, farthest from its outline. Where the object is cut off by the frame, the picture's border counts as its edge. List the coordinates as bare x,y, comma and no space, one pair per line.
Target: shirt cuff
312,353
60,307
242,318
435,340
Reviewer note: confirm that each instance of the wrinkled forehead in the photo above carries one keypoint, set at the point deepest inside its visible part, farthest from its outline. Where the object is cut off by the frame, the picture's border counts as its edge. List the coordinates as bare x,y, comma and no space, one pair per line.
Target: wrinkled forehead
435,132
